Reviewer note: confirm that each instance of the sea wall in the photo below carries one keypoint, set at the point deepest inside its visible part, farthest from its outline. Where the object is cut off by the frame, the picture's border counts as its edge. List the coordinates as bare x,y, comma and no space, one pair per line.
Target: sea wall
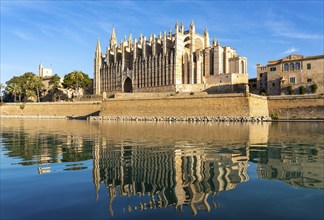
297,106
224,107
227,105
51,109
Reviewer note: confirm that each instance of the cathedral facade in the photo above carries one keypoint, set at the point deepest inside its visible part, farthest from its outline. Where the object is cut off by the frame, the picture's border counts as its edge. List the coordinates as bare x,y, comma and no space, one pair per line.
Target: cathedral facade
180,61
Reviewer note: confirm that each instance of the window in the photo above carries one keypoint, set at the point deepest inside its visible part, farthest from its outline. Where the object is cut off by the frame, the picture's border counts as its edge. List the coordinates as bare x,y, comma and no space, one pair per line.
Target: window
292,66
286,67
273,68
297,66
309,80
309,66
260,74
292,80
273,84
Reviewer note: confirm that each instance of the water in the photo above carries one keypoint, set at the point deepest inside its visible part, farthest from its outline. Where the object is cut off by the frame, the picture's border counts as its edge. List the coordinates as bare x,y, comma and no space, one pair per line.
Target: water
58,169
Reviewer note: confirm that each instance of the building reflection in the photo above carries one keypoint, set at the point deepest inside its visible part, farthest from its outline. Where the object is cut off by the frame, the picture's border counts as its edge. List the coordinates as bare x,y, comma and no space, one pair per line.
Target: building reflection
149,165
176,176
299,165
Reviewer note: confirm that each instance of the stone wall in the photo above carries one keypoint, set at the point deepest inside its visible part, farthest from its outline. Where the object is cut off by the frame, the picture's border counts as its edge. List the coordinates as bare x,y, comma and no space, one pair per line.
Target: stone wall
156,89
297,106
230,105
258,105
178,104
70,109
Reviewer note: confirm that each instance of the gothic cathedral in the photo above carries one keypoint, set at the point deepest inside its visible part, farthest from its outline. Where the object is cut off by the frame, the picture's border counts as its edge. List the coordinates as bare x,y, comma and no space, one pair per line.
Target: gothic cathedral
182,61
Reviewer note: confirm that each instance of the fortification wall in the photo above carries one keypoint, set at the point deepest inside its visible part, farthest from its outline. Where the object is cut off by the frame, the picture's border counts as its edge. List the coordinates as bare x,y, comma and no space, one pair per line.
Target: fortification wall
179,104
258,105
297,106
230,105
76,109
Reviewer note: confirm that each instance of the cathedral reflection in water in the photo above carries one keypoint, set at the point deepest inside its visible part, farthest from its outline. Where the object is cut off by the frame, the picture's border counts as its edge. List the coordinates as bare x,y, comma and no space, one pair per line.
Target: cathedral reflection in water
176,176
188,175
147,166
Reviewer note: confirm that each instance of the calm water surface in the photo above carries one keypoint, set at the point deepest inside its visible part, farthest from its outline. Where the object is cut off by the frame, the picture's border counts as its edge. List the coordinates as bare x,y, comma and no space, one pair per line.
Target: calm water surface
58,169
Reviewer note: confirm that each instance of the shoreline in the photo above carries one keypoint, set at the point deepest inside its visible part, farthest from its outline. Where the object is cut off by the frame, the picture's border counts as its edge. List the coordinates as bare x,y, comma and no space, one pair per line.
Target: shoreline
162,118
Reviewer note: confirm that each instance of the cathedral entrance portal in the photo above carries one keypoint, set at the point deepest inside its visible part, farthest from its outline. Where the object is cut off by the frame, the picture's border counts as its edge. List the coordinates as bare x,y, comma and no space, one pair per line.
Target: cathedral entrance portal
128,85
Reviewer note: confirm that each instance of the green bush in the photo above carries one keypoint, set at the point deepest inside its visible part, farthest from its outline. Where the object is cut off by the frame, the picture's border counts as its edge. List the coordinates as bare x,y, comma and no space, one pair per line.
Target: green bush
290,90
314,88
274,116
302,90
22,106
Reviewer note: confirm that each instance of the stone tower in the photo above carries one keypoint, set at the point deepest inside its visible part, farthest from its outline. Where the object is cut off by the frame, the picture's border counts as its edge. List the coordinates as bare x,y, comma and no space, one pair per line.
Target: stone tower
97,65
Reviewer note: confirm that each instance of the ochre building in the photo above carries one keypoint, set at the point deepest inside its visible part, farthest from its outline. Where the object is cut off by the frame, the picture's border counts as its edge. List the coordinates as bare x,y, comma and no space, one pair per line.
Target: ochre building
180,61
294,74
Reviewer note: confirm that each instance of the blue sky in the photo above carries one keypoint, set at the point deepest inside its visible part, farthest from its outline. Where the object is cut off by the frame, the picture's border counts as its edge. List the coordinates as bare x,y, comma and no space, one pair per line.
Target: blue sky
63,34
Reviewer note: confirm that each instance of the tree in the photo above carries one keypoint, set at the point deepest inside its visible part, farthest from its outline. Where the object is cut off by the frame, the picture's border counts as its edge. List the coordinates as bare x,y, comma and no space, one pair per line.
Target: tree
76,80
15,87
1,87
32,85
37,86
25,86
55,83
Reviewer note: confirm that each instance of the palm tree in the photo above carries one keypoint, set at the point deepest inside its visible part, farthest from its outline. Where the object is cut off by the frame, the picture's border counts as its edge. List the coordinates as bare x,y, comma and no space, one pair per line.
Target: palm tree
14,89
1,87
38,86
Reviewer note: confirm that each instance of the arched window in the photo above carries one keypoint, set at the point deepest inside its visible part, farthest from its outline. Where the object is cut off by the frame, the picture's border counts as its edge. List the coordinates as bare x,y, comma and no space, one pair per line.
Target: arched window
297,66
186,39
242,67
292,66
286,67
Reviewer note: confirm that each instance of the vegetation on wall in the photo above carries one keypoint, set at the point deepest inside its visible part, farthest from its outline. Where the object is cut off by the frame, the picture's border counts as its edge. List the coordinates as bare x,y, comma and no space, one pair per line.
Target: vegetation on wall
314,88
274,116
302,90
290,90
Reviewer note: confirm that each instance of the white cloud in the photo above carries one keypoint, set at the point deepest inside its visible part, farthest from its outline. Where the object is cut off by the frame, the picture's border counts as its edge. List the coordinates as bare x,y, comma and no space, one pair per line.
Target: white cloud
291,50
285,28
23,35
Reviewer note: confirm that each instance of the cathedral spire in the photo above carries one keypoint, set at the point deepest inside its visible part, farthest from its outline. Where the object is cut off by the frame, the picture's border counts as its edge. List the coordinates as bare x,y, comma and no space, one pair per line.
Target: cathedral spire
214,42
192,26
181,28
113,38
98,48
130,39
206,37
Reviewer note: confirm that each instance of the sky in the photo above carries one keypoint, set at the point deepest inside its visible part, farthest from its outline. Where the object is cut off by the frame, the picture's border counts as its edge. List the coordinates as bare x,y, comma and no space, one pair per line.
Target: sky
63,34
